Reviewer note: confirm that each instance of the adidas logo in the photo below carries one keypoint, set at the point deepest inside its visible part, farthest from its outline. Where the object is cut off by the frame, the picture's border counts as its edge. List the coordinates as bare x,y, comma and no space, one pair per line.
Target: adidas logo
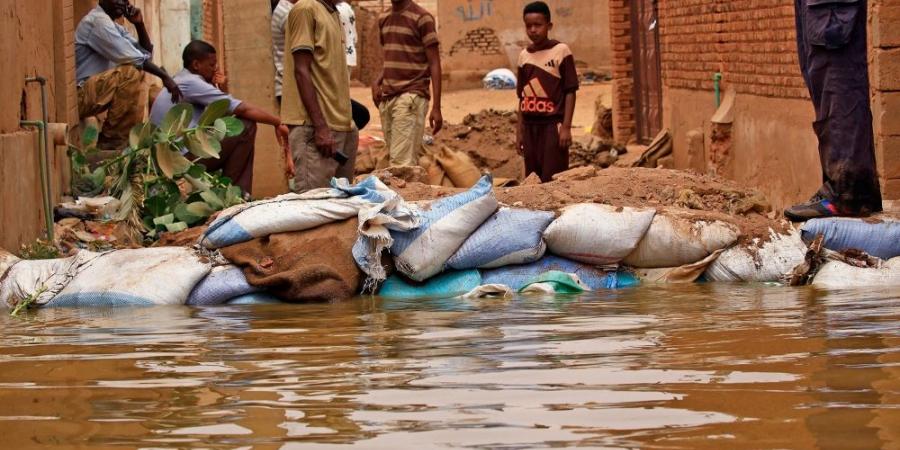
536,100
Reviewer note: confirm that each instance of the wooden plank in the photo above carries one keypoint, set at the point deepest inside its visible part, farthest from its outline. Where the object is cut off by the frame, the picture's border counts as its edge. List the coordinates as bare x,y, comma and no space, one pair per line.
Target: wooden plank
20,193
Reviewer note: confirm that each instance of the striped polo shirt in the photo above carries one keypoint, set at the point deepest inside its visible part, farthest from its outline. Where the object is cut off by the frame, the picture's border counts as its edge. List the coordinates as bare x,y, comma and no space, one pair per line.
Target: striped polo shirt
404,36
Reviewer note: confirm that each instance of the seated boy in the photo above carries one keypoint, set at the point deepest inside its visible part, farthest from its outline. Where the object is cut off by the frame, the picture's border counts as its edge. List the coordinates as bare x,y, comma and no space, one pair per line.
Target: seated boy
546,88
201,83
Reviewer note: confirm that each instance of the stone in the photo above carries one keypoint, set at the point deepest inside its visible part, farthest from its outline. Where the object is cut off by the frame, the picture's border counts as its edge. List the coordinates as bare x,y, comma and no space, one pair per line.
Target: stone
578,173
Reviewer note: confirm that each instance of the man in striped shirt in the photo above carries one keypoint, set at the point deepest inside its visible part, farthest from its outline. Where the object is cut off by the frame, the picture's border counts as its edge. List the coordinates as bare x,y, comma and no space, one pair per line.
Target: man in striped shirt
412,61
279,18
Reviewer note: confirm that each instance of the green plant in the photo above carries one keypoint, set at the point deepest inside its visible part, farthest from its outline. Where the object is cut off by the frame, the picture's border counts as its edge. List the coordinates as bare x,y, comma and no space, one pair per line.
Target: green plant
26,303
86,182
160,189
39,249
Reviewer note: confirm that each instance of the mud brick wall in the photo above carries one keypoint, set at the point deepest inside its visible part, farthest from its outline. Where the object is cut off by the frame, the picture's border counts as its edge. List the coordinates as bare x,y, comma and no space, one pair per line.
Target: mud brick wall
481,41
885,75
622,70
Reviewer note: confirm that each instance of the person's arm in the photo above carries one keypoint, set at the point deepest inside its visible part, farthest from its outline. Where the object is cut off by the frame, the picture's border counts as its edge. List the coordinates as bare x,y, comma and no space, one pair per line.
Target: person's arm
377,94
167,80
137,19
520,131
565,130
256,114
324,139
436,119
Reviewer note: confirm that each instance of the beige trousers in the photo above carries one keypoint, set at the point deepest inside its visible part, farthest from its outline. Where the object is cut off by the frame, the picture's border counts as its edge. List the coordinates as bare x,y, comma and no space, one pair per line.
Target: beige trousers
312,170
120,92
403,122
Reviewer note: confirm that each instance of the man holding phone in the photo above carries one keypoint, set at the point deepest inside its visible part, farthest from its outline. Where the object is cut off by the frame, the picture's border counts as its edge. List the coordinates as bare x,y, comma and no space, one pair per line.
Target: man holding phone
109,69
316,96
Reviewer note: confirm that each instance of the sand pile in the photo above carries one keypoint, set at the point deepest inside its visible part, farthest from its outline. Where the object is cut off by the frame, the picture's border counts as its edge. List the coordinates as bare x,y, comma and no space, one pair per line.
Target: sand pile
489,138
706,196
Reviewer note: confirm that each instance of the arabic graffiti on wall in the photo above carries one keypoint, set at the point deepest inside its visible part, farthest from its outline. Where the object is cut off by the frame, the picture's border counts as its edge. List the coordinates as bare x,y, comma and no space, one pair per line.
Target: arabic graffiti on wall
475,10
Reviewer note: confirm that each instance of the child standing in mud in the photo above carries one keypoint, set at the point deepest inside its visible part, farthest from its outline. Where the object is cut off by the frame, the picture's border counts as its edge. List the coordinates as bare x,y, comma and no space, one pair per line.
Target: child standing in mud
547,83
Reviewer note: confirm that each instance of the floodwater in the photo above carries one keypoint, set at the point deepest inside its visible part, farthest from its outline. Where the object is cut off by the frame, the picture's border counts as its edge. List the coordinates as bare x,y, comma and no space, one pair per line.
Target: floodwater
700,366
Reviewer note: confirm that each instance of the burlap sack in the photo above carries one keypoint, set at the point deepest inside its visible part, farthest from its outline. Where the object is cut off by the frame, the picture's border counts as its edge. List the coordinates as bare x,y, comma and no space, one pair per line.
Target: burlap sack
304,266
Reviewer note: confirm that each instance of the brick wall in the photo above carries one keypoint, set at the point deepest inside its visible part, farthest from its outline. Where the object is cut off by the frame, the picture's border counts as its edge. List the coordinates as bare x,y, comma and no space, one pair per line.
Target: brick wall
622,70
751,42
481,41
885,76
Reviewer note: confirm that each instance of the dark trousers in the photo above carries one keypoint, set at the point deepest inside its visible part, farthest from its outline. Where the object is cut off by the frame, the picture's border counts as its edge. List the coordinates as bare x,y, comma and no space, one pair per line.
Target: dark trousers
831,40
236,159
542,153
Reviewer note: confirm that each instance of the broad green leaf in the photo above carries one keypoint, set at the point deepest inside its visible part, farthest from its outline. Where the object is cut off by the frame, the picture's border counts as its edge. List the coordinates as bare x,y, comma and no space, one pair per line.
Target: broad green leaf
201,145
98,176
156,206
200,209
185,215
89,136
177,119
233,196
141,135
79,159
171,162
196,171
213,111
212,200
233,125
220,128
164,220
176,227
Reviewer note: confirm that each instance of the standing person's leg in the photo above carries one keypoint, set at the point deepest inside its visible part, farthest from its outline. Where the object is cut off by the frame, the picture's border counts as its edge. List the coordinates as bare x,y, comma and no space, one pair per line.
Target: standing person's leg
312,170
348,144
236,159
407,129
117,91
556,159
837,77
532,149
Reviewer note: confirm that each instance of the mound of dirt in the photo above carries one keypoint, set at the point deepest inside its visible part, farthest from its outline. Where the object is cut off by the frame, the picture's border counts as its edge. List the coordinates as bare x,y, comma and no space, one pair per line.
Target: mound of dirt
489,138
707,197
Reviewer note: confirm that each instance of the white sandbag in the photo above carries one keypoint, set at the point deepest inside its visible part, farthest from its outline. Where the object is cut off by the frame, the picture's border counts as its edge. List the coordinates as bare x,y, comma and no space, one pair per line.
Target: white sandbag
839,275
676,239
689,273
597,234
7,260
444,225
510,236
294,212
40,280
880,238
490,291
147,276
761,262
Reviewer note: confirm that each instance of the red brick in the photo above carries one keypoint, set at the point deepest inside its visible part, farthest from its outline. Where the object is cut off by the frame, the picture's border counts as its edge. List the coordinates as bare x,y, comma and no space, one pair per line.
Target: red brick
886,69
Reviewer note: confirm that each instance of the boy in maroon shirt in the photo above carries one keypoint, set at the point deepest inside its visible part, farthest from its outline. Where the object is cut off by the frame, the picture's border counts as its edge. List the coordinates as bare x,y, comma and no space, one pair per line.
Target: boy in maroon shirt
547,82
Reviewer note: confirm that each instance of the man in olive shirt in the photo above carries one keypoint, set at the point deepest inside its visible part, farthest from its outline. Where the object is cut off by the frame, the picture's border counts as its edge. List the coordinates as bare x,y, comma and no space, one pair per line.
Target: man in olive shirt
316,96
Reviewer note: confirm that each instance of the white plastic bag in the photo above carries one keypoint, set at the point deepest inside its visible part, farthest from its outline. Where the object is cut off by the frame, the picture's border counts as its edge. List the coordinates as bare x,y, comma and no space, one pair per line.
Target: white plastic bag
597,234
761,262
675,239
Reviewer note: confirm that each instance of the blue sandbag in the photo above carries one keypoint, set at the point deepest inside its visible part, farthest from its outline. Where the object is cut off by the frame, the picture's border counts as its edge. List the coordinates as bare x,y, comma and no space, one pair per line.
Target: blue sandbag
517,277
881,239
259,298
510,236
221,285
448,284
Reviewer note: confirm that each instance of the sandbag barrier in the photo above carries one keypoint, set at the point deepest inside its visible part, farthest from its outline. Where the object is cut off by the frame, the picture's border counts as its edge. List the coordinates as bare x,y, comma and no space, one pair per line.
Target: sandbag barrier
336,242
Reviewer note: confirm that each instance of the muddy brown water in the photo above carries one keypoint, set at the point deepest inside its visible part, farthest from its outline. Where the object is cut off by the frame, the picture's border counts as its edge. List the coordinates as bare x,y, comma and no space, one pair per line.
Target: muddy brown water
701,366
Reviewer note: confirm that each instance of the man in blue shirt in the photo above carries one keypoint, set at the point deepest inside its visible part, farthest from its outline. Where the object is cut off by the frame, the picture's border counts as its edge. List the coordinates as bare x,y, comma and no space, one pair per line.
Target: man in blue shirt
109,66
200,84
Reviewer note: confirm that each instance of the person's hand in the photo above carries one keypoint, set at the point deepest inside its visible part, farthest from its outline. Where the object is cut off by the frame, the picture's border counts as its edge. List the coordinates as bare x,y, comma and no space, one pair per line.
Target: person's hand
377,94
436,119
565,137
220,81
281,134
173,89
134,15
324,140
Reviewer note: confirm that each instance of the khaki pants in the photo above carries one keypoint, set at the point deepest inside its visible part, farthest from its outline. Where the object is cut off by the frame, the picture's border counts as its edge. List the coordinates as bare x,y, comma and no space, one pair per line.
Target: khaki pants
403,122
314,170
120,92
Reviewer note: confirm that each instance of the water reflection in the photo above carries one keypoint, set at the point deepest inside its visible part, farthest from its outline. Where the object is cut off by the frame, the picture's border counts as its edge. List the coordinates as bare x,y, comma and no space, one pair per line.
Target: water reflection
706,366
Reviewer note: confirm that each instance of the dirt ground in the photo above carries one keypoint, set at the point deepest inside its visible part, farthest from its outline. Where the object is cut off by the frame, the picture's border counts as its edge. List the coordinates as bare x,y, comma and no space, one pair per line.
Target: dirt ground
456,105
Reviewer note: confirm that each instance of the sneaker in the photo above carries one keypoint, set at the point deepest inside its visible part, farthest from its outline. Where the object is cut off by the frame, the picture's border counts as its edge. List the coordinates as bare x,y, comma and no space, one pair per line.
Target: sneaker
812,210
